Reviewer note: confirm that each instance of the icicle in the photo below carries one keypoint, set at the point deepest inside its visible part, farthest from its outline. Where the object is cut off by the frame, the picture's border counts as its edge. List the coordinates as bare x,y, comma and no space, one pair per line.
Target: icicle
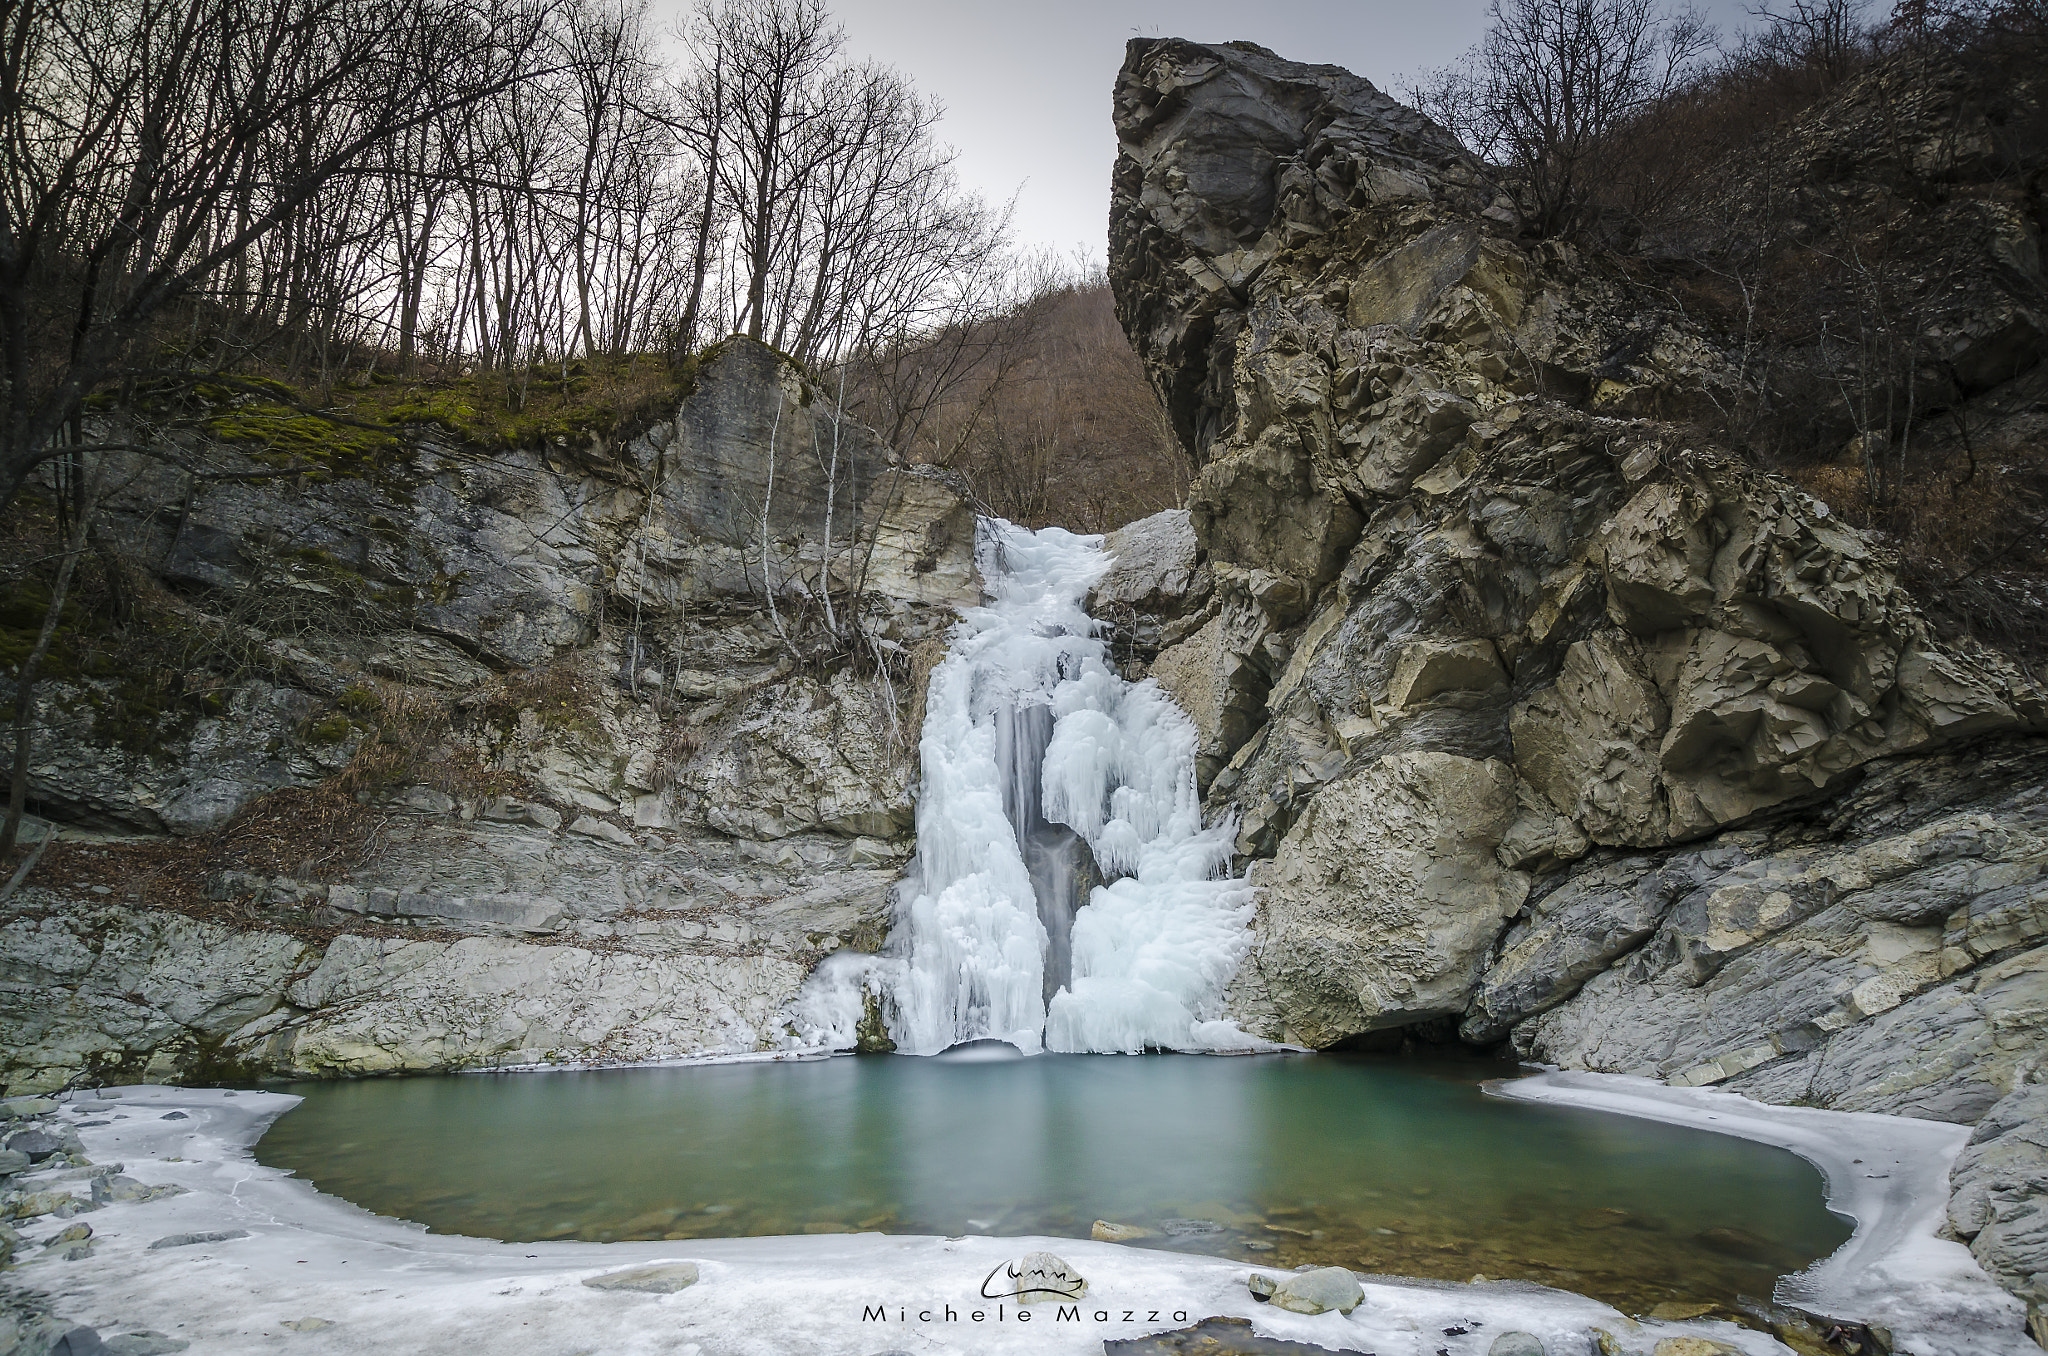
1032,746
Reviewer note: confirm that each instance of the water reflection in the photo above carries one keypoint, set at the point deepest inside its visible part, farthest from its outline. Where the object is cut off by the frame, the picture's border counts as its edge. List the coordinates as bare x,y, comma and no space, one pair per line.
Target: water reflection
1376,1165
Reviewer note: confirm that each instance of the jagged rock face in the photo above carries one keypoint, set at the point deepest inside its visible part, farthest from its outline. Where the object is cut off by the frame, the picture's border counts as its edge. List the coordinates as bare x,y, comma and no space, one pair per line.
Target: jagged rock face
705,811
506,562
1226,156
1550,718
1998,1201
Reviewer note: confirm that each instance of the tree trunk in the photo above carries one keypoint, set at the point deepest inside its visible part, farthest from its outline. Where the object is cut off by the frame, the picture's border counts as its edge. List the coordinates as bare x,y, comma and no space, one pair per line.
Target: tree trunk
25,684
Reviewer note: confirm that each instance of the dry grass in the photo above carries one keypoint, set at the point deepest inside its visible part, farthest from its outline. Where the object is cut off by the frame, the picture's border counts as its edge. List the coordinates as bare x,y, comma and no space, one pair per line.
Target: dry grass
1972,548
679,744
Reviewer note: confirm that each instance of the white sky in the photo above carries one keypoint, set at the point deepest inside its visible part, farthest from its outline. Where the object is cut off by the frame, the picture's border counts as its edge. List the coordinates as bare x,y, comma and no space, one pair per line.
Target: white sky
1027,83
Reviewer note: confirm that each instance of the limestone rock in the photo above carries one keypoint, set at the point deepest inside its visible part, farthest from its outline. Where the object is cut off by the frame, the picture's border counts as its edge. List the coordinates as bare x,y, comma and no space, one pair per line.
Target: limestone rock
1428,669
1102,1231
510,562
35,1143
145,1343
1694,1346
697,949
36,1204
1577,929
1588,742
1384,899
601,828
1898,966
805,756
1452,521
1998,1192
1153,565
921,526
1213,178
1223,691
1310,1292
396,1006
74,972
191,1240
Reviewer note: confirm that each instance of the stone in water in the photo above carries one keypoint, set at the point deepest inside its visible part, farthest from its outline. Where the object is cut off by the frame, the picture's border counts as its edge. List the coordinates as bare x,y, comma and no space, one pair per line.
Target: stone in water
1106,1232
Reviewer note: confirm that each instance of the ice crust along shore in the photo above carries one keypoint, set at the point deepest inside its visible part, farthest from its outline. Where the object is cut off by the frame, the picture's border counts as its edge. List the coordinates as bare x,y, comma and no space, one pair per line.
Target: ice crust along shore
390,1287
1034,751
1888,1173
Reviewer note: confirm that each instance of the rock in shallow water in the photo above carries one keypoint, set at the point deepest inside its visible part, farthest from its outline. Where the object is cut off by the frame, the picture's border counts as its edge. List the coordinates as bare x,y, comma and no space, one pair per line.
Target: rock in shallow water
1516,1344
663,1278
1694,1346
1105,1232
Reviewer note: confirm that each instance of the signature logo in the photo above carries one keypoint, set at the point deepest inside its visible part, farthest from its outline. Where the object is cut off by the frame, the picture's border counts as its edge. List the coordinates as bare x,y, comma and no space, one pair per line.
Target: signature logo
1027,1277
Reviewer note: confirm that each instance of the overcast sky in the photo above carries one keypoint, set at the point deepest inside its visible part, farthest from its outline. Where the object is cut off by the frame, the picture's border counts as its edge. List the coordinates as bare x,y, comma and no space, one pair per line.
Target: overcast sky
1026,83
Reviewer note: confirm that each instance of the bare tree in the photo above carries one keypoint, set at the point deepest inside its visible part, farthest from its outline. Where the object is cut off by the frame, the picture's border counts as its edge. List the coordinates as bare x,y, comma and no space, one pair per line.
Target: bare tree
774,55
147,147
1552,86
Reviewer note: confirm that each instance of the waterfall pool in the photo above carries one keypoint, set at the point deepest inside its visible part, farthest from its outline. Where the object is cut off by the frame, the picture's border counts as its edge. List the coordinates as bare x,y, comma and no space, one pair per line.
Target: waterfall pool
1380,1165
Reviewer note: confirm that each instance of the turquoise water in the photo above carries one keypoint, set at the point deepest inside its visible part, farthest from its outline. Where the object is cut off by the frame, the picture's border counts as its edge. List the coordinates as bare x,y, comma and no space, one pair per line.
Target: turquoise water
1381,1165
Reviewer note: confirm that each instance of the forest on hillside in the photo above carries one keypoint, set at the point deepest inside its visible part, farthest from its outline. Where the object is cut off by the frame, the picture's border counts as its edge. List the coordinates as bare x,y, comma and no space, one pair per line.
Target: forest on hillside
257,239
1845,194
225,218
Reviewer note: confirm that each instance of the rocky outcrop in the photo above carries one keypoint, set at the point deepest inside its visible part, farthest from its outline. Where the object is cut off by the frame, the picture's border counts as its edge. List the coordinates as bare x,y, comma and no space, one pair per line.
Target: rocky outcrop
646,801
1542,717
648,562
507,944
1998,1196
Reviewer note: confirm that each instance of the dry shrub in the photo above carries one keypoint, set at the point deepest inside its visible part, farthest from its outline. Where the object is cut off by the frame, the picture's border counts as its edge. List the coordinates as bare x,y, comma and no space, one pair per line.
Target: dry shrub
563,695
1973,548
1063,427
407,738
679,744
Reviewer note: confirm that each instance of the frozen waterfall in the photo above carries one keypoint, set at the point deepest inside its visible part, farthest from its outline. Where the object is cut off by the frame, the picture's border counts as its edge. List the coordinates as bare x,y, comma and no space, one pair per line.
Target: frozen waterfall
1046,775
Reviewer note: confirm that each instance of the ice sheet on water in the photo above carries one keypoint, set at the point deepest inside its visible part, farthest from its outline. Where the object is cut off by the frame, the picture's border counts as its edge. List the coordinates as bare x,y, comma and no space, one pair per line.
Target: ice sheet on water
1151,950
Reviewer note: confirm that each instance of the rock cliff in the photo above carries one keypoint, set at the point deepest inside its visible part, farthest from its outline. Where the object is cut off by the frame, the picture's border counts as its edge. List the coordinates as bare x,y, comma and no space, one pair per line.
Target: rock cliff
1545,719
642,802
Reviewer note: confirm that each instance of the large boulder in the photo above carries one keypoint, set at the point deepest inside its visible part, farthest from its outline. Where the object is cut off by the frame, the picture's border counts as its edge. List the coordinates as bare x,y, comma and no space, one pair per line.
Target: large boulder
1998,1193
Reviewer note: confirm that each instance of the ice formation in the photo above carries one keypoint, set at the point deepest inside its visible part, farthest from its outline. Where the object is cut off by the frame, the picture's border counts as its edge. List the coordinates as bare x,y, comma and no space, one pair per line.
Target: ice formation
1044,771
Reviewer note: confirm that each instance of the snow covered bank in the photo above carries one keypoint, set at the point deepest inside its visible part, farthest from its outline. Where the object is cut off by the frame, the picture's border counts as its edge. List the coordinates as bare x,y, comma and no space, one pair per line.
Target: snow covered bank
1888,1173
319,1275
